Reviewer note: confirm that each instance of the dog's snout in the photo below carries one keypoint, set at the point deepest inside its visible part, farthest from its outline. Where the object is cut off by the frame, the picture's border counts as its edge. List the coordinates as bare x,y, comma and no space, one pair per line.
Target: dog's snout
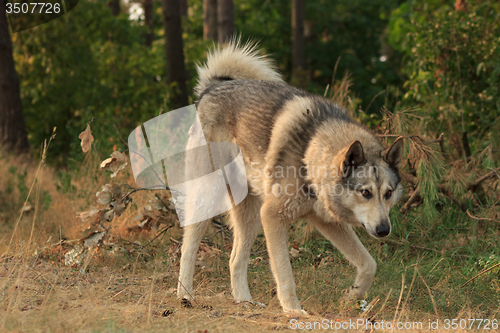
383,229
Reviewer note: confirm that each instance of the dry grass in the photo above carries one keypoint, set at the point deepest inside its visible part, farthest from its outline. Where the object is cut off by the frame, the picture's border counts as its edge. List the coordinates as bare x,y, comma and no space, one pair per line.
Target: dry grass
133,289
45,297
39,296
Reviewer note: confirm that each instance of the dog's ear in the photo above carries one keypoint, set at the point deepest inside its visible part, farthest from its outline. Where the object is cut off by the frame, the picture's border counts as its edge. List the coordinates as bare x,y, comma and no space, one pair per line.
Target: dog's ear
353,157
393,154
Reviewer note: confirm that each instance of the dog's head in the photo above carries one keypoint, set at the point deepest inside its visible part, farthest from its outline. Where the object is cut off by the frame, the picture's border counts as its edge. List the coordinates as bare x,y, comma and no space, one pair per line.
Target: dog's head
366,186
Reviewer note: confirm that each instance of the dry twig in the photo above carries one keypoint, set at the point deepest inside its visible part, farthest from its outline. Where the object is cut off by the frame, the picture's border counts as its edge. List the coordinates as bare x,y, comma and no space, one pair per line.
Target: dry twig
430,293
481,218
409,178
480,273
483,178
414,198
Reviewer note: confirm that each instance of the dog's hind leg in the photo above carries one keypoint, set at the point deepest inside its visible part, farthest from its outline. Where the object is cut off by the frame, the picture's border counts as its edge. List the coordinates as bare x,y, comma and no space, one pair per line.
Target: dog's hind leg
193,234
245,220
345,239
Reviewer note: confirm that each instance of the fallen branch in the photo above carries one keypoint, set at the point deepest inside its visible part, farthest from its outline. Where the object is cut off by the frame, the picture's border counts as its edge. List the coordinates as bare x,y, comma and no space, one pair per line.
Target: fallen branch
414,198
158,235
481,218
409,178
483,178
175,240
481,273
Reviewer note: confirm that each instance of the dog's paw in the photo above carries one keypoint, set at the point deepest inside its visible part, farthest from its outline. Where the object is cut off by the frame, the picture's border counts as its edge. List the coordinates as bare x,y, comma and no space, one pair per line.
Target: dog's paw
355,292
295,312
186,303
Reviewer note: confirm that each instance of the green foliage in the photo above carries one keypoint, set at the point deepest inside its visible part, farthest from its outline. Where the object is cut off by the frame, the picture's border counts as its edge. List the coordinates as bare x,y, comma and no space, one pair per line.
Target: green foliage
487,263
18,180
17,190
351,30
354,31
89,63
65,186
452,61
270,25
84,64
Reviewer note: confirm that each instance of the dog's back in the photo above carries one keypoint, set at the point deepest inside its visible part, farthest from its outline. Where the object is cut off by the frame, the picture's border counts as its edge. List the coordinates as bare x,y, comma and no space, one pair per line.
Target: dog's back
242,98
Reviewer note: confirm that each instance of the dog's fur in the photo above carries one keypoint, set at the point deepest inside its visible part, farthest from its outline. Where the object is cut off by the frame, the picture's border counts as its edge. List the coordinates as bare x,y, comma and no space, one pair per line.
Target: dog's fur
304,158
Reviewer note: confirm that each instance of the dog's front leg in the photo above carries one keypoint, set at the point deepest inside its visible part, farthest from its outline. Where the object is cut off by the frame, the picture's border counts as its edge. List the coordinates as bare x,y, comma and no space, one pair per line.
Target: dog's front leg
276,232
345,239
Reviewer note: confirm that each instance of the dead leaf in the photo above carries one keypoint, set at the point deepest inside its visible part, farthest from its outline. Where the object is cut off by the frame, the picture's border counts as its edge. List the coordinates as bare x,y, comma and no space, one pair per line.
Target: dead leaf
85,215
113,175
119,208
26,208
109,215
87,139
107,163
115,163
93,239
295,253
122,157
104,197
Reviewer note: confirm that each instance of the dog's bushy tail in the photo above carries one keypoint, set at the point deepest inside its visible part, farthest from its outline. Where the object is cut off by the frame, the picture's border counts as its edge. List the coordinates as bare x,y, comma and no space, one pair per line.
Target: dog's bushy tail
235,61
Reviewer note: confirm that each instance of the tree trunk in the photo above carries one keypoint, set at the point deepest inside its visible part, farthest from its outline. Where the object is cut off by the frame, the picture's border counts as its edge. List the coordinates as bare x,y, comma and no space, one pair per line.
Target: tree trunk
174,52
115,7
183,5
299,76
149,21
210,20
225,16
12,129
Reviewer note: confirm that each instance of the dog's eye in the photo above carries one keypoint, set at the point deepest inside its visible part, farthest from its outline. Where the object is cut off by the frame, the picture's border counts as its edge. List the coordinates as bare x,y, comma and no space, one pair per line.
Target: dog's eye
366,194
388,194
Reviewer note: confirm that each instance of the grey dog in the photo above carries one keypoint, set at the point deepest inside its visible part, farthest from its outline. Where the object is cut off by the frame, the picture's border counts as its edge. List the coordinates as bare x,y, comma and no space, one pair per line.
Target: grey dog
304,158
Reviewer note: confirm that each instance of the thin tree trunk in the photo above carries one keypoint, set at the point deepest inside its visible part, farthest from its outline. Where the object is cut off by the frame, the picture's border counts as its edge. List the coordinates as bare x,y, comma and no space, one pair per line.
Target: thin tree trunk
225,16
174,52
149,20
183,4
210,20
299,75
12,128
115,7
